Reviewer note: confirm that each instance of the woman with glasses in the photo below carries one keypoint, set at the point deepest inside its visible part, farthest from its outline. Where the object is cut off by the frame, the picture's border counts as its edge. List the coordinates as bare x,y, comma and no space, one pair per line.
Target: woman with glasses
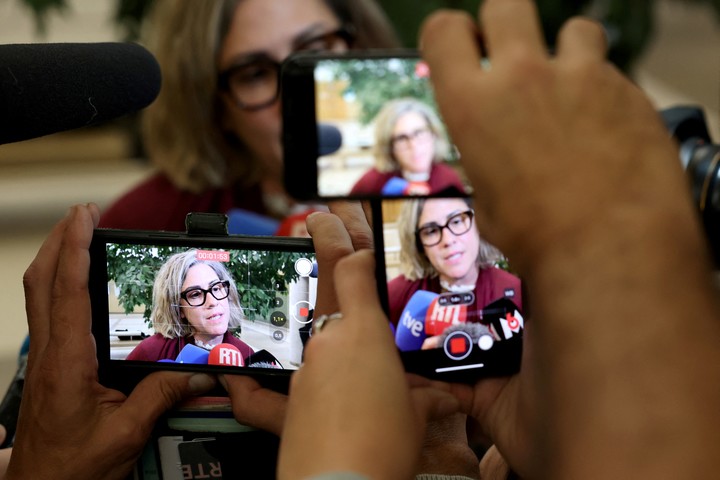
441,251
214,131
411,148
195,302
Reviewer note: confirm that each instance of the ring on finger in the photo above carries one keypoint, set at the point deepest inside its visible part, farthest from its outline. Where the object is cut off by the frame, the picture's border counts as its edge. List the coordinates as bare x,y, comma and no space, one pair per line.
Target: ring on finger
323,320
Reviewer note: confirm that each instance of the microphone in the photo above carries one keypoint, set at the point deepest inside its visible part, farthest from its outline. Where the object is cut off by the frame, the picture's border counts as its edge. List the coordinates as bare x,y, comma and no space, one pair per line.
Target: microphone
53,87
192,354
263,359
246,222
329,139
440,317
398,186
410,331
504,318
227,355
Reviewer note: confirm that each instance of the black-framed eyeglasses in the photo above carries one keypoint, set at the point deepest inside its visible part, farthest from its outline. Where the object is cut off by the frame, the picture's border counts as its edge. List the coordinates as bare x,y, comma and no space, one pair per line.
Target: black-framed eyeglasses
254,82
430,235
403,140
196,296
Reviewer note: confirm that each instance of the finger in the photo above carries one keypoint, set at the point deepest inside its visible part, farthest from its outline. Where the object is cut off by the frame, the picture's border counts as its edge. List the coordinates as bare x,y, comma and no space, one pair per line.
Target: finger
449,45
434,404
582,39
511,27
357,293
332,242
367,209
38,283
255,405
71,323
493,466
356,223
160,391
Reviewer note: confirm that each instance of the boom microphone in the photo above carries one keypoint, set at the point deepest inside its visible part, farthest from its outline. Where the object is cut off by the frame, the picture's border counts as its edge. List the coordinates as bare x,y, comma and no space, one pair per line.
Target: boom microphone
53,87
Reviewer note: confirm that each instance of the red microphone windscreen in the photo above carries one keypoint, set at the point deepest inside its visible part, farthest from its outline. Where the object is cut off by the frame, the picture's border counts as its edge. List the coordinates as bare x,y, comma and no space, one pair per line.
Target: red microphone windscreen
227,355
439,317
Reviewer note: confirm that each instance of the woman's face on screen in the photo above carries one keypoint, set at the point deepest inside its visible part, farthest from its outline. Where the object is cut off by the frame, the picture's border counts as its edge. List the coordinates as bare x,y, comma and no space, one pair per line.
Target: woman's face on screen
209,321
413,143
454,256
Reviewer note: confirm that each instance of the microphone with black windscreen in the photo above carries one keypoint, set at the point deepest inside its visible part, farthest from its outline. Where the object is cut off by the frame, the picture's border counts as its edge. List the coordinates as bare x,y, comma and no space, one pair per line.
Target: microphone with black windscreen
53,87
329,139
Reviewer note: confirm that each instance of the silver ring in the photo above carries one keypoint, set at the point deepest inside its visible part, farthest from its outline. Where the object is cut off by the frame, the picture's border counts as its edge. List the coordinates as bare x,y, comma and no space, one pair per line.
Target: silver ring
323,320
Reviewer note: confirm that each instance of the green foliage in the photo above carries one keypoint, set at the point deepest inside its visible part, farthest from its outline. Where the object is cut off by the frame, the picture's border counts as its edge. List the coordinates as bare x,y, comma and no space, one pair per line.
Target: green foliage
398,79
40,10
258,275
629,22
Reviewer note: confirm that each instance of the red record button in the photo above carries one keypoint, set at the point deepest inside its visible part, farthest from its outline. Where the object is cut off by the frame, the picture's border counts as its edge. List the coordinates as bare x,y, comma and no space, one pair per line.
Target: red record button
458,345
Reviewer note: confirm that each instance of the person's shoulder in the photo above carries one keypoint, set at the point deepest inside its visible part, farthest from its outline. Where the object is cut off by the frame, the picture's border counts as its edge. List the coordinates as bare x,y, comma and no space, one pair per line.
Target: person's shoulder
371,181
142,207
148,348
499,273
402,287
443,176
244,348
399,283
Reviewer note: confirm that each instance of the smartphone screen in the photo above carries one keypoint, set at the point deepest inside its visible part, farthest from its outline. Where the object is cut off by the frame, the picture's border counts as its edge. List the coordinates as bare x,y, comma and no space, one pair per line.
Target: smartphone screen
191,303
454,302
378,132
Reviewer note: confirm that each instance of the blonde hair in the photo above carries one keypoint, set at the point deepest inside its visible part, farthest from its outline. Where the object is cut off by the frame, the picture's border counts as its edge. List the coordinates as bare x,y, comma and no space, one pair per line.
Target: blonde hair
165,316
414,264
385,122
182,130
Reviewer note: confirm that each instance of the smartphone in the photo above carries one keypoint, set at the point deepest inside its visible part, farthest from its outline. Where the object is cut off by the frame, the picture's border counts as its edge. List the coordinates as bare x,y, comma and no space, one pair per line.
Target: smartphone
365,125
453,300
245,305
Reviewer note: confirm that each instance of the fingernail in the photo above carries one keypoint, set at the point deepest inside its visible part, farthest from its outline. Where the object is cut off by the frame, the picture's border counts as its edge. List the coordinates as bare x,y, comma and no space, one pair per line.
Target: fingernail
201,383
313,214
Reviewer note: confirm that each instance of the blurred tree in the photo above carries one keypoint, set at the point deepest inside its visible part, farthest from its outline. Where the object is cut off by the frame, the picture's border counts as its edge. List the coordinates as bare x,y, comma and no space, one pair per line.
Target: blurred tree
629,23
258,275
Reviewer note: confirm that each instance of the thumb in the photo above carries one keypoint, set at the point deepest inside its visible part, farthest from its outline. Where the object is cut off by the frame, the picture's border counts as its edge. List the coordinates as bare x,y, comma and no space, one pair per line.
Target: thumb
433,404
158,392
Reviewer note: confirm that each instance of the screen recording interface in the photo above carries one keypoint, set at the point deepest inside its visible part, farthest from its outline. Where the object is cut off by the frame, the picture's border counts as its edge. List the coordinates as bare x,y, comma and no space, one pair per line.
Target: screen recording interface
379,131
453,299
209,306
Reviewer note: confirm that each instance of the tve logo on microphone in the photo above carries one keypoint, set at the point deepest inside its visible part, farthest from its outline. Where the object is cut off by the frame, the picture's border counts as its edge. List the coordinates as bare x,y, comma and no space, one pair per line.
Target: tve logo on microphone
413,325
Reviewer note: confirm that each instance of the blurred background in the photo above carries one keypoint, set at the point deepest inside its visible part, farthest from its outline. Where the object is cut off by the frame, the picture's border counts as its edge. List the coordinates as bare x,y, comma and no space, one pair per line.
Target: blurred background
670,47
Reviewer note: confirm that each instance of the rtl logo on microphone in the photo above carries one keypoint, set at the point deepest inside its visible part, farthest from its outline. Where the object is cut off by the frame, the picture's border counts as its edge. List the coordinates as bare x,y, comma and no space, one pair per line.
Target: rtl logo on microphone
440,317
227,355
